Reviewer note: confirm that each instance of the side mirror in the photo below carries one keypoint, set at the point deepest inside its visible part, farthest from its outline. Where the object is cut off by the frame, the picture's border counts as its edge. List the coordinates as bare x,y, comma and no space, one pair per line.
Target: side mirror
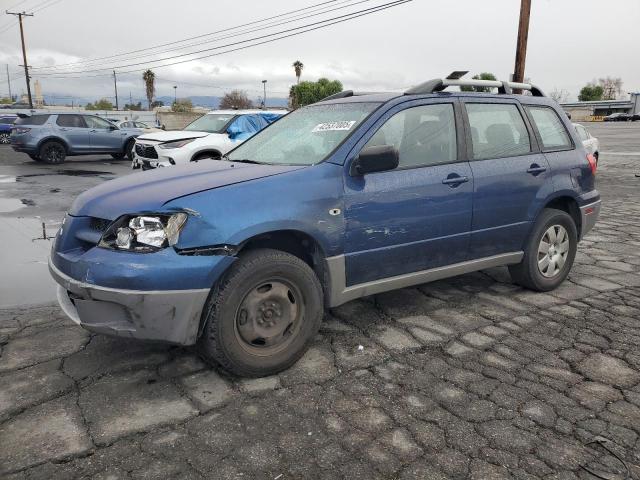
378,158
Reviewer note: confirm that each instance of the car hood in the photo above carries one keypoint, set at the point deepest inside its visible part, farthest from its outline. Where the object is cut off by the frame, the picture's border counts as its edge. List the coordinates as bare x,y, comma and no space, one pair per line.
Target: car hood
149,191
163,136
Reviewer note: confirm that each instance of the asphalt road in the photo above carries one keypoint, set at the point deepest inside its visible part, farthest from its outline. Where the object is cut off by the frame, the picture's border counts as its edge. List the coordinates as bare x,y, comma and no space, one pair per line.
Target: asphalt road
470,377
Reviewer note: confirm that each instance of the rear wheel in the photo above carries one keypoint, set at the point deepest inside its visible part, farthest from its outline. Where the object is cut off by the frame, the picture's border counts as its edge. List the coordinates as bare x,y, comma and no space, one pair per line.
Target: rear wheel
261,317
117,156
549,252
52,152
128,149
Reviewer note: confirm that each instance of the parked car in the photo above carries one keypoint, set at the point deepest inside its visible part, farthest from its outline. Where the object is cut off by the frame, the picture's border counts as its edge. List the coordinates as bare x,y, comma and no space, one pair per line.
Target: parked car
144,126
5,127
635,117
50,138
210,136
617,117
591,143
349,197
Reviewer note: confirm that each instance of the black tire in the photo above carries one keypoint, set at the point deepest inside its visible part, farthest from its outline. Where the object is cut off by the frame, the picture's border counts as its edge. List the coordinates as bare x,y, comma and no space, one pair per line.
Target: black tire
35,157
258,281
207,156
596,155
52,152
528,273
128,148
117,156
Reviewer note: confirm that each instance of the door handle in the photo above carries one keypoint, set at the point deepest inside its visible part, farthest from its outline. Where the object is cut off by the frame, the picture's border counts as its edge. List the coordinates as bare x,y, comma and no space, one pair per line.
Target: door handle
454,181
536,169
93,131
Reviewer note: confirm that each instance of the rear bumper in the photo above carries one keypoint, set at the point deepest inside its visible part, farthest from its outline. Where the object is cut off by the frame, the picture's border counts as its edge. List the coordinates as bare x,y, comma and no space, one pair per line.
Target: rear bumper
164,315
589,215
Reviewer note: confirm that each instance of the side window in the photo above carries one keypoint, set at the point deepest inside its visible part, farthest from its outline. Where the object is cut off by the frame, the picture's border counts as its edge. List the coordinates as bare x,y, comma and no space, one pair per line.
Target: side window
95,122
423,135
497,130
70,121
552,132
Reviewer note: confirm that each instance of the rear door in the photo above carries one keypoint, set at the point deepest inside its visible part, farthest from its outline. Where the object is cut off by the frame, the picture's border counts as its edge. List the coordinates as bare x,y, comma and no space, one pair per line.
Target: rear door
73,129
103,135
511,175
417,216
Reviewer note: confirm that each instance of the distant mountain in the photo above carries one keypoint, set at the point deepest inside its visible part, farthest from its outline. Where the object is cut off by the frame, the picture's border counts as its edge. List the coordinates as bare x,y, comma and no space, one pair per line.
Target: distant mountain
197,100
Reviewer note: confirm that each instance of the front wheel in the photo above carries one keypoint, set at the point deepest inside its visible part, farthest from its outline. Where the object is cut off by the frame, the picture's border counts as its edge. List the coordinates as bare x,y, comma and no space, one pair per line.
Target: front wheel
549,252
5,138
52,152
261,317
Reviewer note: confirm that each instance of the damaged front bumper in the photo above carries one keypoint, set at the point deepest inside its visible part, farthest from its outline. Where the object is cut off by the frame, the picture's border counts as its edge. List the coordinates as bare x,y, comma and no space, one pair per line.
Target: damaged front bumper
165,315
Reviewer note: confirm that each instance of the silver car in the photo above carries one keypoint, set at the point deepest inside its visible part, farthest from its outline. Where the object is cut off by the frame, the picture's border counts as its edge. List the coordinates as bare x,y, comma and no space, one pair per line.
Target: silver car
590,142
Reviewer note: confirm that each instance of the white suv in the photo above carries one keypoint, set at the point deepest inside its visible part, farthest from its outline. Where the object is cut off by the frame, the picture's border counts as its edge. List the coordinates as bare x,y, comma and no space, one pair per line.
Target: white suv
210,136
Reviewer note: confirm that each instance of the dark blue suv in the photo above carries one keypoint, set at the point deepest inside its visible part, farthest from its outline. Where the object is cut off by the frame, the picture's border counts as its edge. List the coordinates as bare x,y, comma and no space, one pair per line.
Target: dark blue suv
50,138
5,127
352,196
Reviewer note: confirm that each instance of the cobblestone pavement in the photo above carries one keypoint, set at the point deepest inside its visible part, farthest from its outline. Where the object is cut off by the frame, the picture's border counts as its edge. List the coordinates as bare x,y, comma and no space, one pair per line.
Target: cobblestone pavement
466,378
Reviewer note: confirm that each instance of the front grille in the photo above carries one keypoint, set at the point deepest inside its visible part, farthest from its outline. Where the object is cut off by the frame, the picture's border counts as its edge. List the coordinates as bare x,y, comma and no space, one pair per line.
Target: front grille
147,151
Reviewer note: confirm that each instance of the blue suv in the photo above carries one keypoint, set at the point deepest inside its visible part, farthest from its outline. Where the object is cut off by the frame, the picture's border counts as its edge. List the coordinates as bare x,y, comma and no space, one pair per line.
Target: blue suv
349,197
50,138
5,127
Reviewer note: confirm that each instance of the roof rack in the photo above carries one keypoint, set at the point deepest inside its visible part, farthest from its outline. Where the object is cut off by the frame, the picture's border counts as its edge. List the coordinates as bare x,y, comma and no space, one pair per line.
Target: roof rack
439,84
347,93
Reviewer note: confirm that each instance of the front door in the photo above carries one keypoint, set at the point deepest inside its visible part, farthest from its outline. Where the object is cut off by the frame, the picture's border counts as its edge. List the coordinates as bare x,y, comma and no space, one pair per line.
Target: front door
417,216
511,177
104,136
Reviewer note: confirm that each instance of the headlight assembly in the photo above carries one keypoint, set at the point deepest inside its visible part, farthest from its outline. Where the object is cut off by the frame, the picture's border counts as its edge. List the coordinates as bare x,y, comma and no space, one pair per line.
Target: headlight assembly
143,233
176,144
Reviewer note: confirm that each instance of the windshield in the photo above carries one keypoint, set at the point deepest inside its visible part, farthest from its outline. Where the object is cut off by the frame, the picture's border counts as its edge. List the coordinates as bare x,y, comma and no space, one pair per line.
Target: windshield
304,137
212,123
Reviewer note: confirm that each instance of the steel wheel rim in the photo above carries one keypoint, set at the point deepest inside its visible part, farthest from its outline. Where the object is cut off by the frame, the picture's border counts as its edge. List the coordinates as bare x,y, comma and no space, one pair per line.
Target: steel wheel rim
54,153
553,251
4,138
269,317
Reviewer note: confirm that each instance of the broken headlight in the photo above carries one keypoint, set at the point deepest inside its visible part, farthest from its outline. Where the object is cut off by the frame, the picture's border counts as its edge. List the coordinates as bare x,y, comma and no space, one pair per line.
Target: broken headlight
143,233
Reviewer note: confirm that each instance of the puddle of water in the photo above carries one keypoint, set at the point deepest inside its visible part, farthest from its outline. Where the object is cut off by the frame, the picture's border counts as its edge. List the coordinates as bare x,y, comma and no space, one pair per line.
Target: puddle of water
24,277
68,173
10,204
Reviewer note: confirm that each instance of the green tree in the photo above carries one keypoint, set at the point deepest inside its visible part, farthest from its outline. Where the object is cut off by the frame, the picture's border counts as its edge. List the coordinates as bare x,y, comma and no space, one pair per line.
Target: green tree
102,104
297,67
133,106
5,100
306,93
591,92
149,85
182,105
482,76
157,103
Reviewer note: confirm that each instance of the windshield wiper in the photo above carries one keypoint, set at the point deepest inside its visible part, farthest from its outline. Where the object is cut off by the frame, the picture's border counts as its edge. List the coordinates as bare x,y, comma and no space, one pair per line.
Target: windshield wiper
243,160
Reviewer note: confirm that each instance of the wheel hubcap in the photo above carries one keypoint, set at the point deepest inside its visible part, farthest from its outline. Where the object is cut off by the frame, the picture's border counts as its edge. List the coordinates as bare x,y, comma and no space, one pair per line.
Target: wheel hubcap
269,317
53,154
4,138
553,251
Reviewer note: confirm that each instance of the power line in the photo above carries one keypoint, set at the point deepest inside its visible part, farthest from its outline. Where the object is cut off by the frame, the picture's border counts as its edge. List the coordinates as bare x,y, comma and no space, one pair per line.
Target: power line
297,31
296,18
198,36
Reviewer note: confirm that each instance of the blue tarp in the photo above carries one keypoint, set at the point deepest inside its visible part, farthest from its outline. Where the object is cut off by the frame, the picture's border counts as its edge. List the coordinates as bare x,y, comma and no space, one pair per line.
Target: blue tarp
246,126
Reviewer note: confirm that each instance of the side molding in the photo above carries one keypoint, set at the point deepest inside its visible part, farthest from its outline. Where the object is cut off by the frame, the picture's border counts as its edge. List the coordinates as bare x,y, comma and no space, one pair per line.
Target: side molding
340,293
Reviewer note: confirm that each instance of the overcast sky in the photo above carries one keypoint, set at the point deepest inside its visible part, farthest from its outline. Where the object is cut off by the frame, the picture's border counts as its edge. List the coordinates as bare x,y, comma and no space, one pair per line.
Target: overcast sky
570,43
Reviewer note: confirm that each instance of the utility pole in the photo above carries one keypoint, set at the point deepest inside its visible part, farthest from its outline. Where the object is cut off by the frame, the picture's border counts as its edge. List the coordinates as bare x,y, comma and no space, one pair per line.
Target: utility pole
523,35
115,86
264,95
175,94
24,52
9,83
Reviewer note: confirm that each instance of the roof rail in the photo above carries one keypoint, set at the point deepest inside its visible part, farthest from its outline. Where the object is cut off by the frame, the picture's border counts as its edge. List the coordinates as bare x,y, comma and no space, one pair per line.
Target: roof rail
343,94
505,88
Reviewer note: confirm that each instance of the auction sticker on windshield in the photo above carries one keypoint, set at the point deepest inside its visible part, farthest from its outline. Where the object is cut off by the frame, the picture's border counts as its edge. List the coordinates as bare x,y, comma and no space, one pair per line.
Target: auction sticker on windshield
333,126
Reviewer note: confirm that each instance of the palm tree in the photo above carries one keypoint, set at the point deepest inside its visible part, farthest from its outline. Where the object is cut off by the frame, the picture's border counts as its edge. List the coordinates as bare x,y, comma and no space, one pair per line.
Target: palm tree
149,82
298,66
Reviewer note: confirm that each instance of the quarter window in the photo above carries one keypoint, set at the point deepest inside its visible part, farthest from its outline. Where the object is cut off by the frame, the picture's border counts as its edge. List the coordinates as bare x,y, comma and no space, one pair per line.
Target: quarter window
552,132
497,130
424,135
32,120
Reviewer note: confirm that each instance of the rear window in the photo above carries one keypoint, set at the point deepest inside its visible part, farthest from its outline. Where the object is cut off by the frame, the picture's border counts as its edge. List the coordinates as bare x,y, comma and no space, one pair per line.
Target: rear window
32,120
552,132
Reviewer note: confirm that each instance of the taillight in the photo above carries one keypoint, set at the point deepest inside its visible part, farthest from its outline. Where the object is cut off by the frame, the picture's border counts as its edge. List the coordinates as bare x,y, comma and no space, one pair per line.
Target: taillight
592,163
